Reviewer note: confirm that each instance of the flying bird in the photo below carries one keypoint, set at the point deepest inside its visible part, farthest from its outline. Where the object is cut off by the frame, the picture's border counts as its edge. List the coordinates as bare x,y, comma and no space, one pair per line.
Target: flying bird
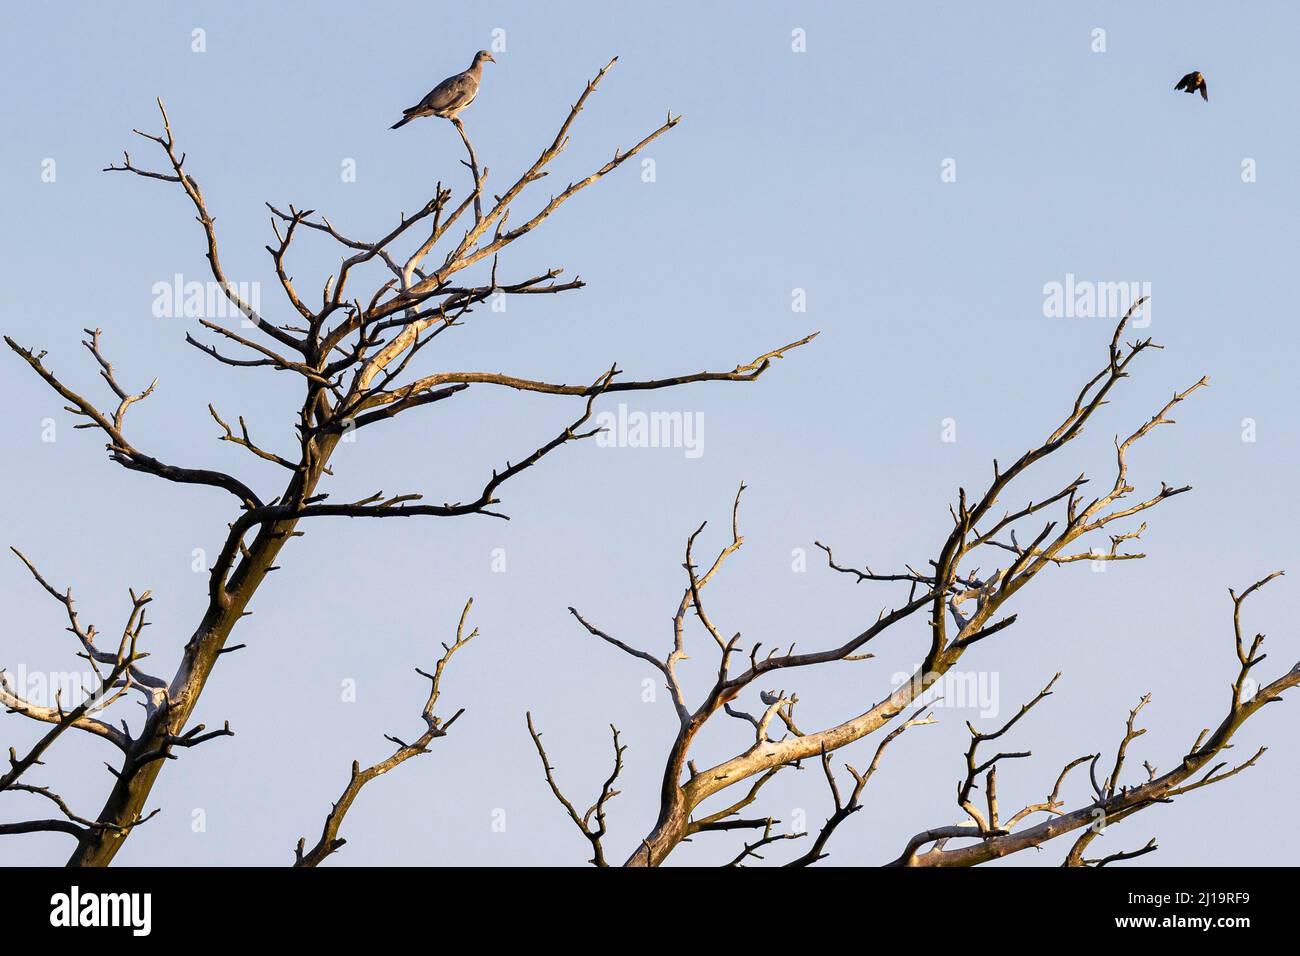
1194,82
450,96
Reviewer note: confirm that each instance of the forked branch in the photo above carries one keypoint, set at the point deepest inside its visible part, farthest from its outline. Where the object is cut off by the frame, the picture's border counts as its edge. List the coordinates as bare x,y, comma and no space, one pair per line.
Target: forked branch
434,727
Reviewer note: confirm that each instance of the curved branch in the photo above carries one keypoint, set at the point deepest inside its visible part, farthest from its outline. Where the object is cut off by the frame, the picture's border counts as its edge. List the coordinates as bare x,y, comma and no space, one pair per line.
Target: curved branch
435,727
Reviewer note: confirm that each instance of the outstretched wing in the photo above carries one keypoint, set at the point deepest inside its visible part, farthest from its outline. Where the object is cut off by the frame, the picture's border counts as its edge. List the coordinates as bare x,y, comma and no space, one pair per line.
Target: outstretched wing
1187,83
1205,91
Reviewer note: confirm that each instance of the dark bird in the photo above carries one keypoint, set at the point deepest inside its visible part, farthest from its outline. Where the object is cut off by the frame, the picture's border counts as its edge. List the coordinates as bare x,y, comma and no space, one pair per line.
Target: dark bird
1192,83
450,96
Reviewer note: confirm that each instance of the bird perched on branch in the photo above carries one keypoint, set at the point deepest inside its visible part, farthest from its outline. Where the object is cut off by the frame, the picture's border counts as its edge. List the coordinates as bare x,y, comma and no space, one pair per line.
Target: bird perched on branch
450,96
1192,83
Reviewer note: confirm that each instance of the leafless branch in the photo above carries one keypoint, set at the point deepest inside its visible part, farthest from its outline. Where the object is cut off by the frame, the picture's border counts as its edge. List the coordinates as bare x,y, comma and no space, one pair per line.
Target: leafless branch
435,727
593,832
1112,800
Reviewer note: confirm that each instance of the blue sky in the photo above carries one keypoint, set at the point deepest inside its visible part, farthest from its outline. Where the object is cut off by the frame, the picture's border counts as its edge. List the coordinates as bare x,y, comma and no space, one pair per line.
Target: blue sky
818,171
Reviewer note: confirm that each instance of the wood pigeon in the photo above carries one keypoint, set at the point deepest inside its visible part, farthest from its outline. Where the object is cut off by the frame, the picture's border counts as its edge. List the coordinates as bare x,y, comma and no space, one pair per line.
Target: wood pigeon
451,95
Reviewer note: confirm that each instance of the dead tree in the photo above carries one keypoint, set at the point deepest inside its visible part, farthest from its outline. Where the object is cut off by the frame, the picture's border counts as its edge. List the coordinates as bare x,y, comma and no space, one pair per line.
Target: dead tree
354,353
961,605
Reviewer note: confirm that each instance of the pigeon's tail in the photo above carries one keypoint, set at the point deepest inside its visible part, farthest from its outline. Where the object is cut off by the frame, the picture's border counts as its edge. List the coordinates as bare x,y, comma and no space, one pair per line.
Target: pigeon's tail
401,122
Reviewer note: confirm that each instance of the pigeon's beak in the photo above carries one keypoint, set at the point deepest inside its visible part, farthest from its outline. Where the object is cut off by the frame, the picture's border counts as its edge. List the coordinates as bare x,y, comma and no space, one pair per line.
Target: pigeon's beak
490,57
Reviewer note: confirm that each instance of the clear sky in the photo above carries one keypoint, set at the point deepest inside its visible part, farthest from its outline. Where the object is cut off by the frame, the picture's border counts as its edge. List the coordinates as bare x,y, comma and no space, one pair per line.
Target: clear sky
820,171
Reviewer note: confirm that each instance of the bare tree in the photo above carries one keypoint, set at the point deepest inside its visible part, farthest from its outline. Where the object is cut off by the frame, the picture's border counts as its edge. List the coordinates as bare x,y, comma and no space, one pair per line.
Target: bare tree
961,605
351,352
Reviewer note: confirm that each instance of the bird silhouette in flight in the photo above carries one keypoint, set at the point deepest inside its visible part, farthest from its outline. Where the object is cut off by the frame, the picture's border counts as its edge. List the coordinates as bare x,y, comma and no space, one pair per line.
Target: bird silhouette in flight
1192,83
450,96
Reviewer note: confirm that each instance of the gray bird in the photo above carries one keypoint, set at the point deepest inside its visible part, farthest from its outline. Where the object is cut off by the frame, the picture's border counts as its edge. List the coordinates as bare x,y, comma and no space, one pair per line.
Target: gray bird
451,95
1194,82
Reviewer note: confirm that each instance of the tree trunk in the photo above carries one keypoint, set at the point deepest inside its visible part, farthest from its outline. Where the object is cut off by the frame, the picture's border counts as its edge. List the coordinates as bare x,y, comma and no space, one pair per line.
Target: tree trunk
127,799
